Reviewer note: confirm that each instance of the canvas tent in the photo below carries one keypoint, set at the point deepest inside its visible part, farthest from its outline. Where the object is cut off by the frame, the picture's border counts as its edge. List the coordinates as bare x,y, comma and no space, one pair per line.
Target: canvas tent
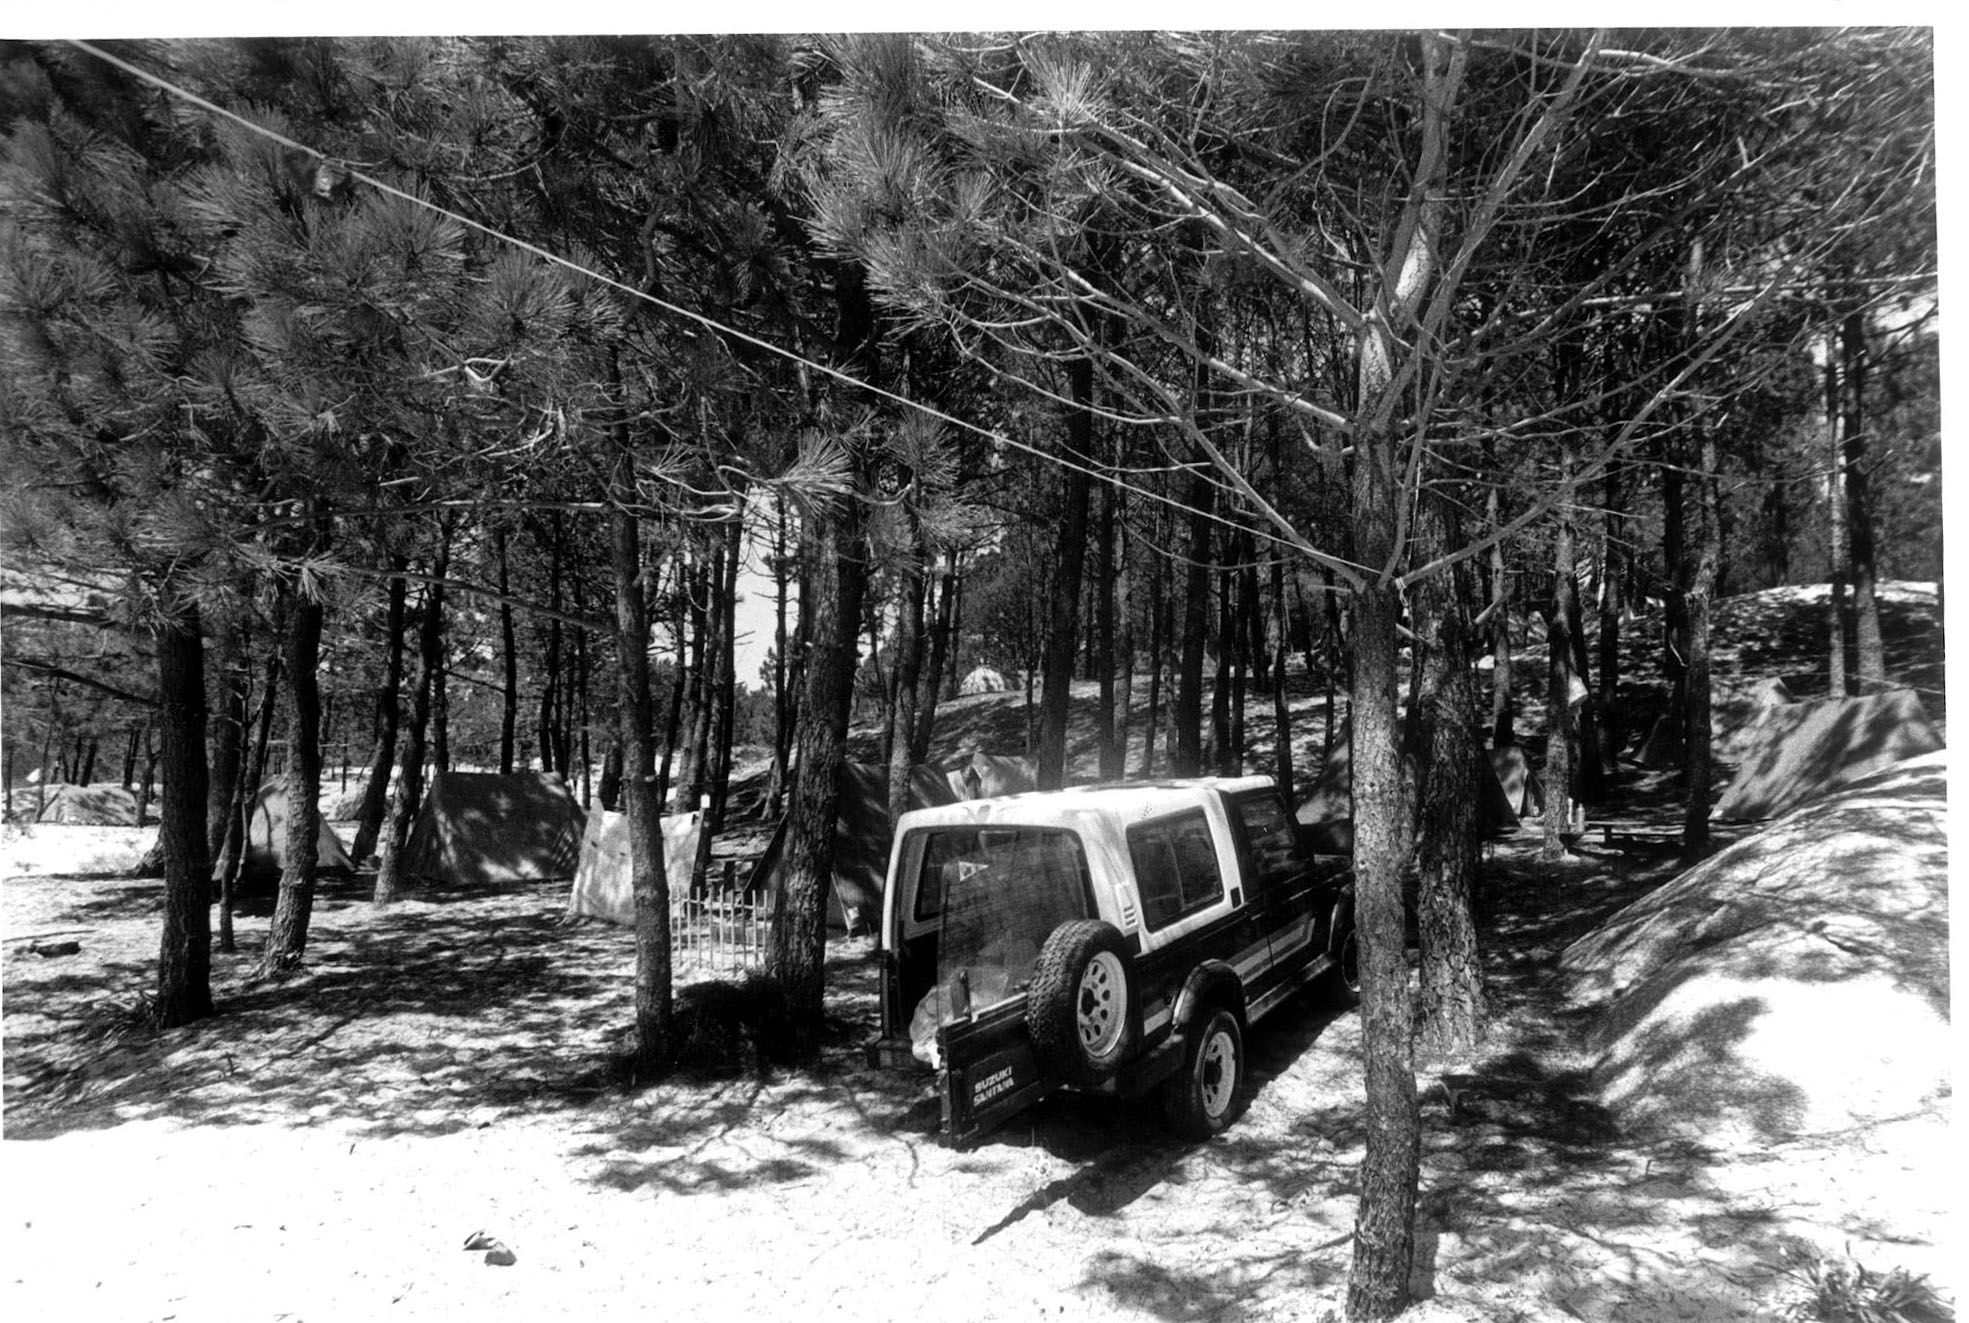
266,839
1736,707
480,827
1524,796
90,806
1796,752
1004,775
983,680
1328,809
602,881
862,836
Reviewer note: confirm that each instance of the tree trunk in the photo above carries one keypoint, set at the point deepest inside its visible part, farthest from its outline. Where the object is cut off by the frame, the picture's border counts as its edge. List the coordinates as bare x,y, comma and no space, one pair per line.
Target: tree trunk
550,686
389,713
830,609
931,685
673,713
1281,705
1158,614
909,665
441,711
246,786
1503,713
1613,601
509,648
583,706
1110,717
1674,559
287,937
1187,718
1056,691
1563,685
184,961
409,792
649,886
144,785
1696,741
227,735
1453,1002
1835,512
782,693
726,682
1859,504
1384,1236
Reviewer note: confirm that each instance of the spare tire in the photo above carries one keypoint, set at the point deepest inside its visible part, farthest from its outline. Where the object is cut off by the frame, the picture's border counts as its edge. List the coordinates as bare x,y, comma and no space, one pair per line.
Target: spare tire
1080,1008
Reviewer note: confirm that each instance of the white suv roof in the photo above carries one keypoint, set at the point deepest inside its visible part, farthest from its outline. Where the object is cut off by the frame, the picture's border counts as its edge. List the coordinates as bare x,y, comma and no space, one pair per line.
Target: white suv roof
1126,803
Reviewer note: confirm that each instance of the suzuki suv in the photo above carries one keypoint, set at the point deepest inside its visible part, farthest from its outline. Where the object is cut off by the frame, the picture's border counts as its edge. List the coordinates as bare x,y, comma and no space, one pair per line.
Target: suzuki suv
1118,938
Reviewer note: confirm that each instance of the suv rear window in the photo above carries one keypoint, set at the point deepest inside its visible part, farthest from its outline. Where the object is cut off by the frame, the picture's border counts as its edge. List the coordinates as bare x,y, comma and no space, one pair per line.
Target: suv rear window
1175,867
1269,836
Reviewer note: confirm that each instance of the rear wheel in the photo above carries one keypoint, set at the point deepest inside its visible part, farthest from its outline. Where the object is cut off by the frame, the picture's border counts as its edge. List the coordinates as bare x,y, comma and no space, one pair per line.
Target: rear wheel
1208,1094
1080,1008
1345,980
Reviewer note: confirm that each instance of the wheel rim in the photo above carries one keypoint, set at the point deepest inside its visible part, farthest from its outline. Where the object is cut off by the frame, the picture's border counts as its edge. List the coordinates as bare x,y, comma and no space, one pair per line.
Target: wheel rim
1099,1004
1350,963
1216,1072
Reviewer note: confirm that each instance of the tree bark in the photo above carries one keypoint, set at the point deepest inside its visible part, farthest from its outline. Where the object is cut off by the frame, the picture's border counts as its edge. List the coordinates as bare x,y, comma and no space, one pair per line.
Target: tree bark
184,961
389,714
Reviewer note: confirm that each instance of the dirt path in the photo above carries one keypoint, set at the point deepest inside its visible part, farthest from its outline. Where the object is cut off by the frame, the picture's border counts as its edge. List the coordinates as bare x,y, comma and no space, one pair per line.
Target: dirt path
323,1148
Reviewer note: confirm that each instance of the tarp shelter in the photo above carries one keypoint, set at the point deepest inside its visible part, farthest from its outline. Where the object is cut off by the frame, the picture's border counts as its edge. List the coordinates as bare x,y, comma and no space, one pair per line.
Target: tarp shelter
90,806
480,827
862,836
1796,752
266,839
602,879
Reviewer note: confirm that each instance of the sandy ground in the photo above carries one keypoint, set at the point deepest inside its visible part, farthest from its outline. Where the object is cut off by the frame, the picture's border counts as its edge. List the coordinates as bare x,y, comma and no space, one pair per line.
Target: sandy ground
325,1146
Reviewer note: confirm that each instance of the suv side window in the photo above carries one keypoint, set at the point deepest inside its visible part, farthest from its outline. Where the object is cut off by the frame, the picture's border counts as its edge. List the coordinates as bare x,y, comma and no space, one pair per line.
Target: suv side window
1175,867
1269,839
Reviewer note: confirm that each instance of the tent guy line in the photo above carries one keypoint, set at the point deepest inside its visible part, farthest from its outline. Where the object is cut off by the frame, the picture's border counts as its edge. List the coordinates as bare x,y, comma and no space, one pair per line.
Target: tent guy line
192,98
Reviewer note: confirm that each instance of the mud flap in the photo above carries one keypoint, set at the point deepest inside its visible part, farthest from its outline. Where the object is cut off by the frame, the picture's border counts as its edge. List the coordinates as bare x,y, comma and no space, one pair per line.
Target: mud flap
990,1072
